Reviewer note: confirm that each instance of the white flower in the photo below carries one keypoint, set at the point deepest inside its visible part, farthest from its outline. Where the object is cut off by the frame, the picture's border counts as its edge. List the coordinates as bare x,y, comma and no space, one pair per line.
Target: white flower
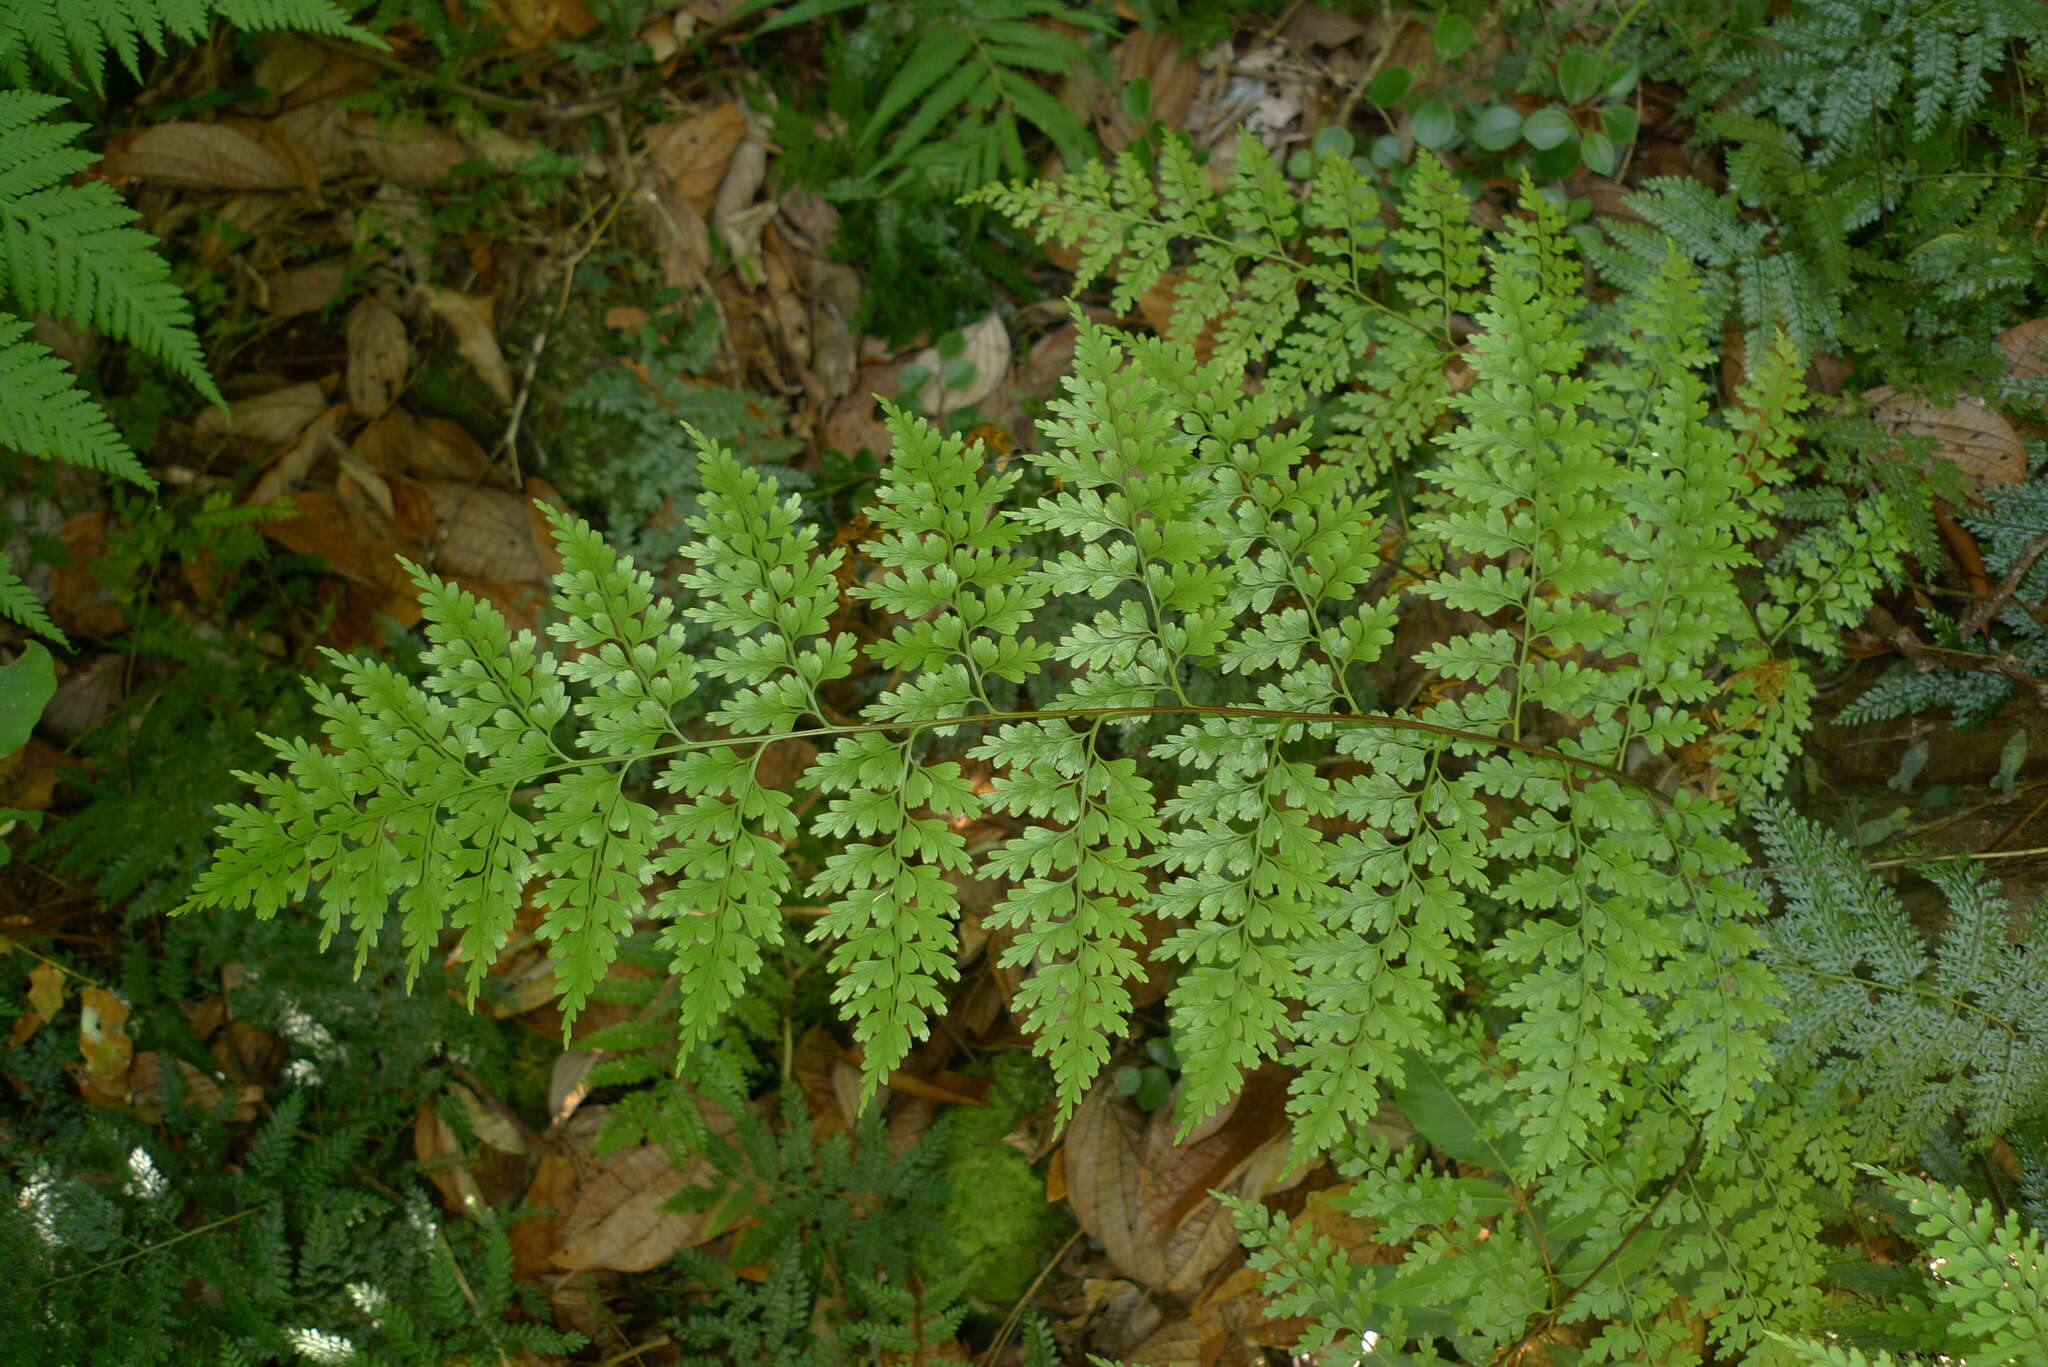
315,1346
144,1181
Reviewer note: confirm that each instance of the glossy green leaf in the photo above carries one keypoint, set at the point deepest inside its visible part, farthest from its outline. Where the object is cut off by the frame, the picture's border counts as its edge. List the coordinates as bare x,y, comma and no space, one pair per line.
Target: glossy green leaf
1390,85
1556,163
26,687
1334,142
1435,125
1578,74
1622,80
1547,128
1620,122
1498,126
1453,35
1597,151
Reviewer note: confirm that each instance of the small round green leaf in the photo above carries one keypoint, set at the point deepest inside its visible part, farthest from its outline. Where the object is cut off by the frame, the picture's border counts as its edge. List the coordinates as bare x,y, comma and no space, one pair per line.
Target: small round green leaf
1137,100
1557,162
1435,125
1453,35
1300,164
1334,141
1497,126
1387,150
1622,79
26,687
951,344
1390,85
1597,151
1620,122
1548,127
1578,74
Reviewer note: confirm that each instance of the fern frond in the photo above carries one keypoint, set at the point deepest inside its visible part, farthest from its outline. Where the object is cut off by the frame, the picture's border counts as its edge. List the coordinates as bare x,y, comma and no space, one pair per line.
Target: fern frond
72,250
44,413
1915,1035
17,603
69,39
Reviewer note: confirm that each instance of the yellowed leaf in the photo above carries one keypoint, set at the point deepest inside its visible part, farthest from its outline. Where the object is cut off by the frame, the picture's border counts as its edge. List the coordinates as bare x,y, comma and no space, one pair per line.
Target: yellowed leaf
102,1042
378,357
46,990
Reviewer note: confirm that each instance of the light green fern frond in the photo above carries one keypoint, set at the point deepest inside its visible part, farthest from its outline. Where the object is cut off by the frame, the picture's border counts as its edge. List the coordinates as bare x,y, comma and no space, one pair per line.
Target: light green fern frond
1990,1276
1331,325
69,39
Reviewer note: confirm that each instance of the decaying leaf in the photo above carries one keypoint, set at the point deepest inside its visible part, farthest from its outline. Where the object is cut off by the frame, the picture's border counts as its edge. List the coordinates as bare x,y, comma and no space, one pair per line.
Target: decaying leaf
378,357
278,416
1980,442
1145,1198
476,335
692,154
618,1220
206,156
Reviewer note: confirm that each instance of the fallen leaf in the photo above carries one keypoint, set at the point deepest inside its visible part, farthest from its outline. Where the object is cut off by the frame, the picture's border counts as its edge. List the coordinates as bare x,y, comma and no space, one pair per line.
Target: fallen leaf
443,1162
206,156
986,347
1978,441
278,416
693,154
419,156
476,336
79,603
2026,349
378,357
735,212
46,990
288,471
618,1220
102,1043
326,527
302,289
488,534
1146,1198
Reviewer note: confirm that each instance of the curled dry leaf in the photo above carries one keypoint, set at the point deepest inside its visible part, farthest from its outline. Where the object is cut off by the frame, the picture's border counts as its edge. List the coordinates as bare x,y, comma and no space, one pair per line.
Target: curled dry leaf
1980,442
288,471
1145,1198
206,156
378,357
476,335
737,215
278,416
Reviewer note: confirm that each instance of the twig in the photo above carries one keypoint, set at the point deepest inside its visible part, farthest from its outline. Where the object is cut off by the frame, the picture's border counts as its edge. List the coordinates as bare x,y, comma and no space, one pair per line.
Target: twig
1979,616
1009,1325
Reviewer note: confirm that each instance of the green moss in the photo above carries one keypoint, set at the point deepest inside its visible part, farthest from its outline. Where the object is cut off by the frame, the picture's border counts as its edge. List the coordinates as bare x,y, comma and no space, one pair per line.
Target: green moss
996,1222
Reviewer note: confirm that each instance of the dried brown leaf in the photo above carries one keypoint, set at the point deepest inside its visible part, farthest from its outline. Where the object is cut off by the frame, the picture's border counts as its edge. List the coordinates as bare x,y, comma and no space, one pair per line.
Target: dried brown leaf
207,156
302,289
278,416
1979,442
378,357
476,336
692,154
488,534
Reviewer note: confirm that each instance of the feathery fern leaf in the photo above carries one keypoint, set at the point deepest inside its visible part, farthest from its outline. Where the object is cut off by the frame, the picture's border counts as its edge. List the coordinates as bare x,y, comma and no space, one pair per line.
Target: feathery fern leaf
69,39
